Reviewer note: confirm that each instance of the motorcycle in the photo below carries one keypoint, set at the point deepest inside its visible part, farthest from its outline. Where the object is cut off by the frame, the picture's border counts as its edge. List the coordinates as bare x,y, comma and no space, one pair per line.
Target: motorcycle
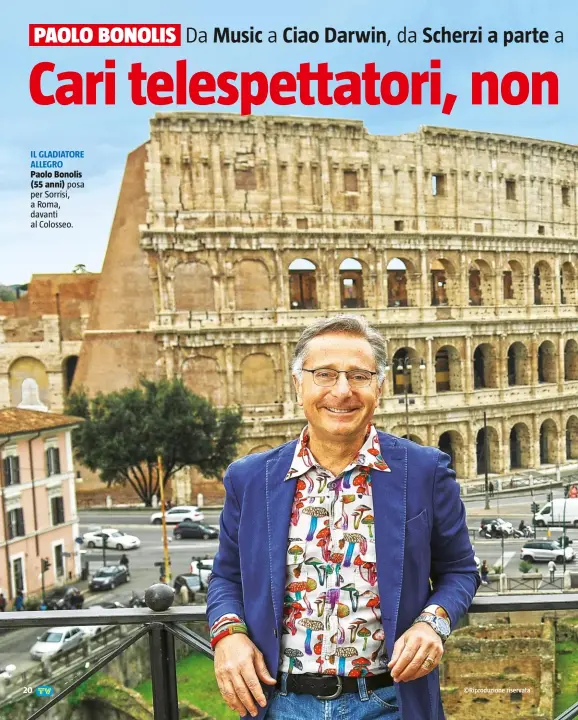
495,529
136,601
526,532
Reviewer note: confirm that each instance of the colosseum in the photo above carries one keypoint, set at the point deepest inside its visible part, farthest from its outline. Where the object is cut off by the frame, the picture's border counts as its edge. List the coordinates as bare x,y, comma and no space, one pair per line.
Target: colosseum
232,233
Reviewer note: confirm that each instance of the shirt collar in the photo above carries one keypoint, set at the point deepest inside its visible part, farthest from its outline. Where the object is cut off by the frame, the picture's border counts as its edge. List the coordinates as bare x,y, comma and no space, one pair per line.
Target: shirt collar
369,456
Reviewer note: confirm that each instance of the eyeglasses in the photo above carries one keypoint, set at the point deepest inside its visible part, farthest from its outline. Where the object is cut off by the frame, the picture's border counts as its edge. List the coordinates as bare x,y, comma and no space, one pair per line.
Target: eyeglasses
325,377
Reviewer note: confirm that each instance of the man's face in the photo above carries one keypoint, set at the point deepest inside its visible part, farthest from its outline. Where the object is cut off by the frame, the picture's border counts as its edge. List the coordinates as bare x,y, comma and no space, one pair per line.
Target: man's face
321,405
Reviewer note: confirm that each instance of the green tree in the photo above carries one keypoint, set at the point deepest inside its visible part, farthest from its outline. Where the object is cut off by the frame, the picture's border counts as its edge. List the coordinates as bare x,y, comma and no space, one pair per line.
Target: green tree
7,293
126,431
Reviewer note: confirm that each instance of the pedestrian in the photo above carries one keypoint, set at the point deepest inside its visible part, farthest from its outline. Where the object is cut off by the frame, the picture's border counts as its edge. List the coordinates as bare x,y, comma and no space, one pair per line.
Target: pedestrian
2,602
19,602
484,572
491,489
184,594
552,569
124,561
278,519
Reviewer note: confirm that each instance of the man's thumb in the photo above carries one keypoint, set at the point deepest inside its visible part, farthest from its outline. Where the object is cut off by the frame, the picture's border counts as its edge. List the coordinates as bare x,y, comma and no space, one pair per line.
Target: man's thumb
262,671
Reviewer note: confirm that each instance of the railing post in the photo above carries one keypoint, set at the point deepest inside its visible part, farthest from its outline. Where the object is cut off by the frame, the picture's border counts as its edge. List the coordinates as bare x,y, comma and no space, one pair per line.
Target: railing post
163,673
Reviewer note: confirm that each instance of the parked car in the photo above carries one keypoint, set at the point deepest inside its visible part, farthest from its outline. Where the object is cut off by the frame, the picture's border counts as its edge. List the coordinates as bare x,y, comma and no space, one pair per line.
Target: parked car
545,550
108,577
177,514
192,582
56,640
64,598
115,539
495,527
189,529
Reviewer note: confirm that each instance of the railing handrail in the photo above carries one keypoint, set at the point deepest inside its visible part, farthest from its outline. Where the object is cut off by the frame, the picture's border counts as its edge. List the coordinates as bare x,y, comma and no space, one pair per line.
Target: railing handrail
196,613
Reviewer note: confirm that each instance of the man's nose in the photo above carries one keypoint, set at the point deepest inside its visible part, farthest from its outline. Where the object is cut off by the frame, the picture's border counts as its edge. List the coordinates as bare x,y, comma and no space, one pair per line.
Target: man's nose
342,386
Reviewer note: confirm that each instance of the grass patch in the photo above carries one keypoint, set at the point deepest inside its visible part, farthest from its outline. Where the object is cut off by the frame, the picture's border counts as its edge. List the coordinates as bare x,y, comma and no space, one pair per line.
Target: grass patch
567,668
196,683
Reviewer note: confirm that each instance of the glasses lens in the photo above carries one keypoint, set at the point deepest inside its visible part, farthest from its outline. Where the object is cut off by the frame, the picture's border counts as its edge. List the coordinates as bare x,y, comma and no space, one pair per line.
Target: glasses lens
325,378
358,378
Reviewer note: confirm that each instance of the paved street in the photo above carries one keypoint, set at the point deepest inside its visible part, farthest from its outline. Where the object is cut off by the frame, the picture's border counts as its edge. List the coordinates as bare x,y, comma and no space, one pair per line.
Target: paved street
15,645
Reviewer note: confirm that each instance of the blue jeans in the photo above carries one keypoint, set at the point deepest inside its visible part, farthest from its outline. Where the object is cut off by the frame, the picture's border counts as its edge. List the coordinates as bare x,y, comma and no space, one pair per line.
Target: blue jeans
362,705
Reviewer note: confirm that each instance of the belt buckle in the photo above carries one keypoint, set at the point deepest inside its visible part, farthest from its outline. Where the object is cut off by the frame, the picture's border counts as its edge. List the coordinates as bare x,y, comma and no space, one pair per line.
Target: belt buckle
336,694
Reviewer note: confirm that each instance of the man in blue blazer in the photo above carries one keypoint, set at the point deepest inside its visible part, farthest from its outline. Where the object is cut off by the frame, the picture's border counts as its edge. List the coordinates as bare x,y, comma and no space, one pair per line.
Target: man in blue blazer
344,557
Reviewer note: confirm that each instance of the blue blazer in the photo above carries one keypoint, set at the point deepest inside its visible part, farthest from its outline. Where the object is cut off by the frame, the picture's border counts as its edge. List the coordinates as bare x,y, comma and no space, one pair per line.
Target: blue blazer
420,533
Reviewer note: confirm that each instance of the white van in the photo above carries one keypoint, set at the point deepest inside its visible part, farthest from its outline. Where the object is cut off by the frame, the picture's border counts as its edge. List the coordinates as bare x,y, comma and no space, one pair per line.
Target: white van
559,511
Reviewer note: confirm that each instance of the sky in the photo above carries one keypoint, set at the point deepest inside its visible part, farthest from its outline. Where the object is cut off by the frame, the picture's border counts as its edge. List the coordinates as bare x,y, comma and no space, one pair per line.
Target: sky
108,133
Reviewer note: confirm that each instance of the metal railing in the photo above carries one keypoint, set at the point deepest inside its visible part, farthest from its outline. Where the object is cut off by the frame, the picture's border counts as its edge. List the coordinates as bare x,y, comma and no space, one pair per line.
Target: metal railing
162,623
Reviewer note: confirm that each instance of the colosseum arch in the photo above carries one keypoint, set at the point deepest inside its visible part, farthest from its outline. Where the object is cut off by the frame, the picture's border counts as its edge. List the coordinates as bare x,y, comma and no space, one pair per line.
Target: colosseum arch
202,375
518,364
29,384
258,380
571,360
520,451
402,285
547,362
513,283
252,286
402,358
568,288
68,369
452,443
543,285
548,442
480,283
443,282
485,367
448,370
493,450
351,283
302,285
572,438
193,284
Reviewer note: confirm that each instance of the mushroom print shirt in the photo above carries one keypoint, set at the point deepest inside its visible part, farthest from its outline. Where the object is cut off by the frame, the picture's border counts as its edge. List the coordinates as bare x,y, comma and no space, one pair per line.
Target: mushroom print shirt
331,610
332,621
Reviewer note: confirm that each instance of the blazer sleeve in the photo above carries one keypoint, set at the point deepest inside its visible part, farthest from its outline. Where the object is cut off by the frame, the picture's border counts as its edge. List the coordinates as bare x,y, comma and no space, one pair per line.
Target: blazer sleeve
453,573
225,594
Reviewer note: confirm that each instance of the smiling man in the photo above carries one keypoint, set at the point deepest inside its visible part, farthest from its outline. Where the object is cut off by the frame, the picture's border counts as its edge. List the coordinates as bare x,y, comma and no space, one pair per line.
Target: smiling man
344,556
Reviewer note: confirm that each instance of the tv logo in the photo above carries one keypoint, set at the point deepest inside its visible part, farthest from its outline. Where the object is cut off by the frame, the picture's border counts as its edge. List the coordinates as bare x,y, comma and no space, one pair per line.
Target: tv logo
44,691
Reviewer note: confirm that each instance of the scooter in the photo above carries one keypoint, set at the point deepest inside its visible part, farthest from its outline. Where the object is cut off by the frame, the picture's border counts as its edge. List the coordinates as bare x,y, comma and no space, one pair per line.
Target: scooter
527,532
136,601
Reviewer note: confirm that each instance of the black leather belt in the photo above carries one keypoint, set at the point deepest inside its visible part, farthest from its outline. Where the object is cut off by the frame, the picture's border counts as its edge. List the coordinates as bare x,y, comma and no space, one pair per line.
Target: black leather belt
329,687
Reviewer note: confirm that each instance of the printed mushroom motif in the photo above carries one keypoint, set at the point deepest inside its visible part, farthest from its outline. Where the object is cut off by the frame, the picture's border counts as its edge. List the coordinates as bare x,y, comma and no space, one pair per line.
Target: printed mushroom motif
293,654
316,512
360,482
342,611
295,610
353,539
345,500
364,633
319,567
373,601
354,627
360,667
368,520
358,514
310,585
310,625
342,653
378,635
320,602
318,647
295,550
324,536
337,559
320,662
353,595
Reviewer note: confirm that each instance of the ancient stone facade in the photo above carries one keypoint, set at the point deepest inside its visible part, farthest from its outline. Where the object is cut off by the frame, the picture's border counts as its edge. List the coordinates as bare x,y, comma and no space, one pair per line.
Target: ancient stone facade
233,233
499,672
40,338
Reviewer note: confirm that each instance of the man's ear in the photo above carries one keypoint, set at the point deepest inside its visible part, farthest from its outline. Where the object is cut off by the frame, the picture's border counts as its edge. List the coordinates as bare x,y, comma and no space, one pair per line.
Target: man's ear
297,385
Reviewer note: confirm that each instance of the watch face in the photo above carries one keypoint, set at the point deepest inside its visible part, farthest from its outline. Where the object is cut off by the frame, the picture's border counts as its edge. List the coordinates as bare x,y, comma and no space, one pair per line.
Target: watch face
443,625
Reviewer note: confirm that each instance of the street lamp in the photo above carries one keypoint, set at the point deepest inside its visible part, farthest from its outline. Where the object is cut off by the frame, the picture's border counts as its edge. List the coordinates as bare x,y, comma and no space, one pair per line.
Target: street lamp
404,366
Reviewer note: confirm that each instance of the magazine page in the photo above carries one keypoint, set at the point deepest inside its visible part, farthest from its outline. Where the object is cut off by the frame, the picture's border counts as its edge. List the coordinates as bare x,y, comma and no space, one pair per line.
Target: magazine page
289,361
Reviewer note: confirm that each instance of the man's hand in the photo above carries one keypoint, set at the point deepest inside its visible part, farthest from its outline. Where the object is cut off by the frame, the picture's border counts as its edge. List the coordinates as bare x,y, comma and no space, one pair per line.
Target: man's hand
239,666
417,643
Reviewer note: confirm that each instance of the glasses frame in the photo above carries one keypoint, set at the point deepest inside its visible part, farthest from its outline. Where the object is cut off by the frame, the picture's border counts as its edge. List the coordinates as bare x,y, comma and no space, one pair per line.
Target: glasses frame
345,372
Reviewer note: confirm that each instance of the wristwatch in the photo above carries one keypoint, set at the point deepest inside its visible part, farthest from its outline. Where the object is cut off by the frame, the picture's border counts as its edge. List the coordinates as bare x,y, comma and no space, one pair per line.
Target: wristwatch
439,624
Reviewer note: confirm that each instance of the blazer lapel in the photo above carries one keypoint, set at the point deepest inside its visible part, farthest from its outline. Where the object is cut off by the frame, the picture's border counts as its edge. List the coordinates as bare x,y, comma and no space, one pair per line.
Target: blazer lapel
389,505
279,494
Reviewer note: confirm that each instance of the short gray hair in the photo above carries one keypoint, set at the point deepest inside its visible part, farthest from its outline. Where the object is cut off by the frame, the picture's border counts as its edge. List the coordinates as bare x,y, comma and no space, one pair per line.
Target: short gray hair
355,325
